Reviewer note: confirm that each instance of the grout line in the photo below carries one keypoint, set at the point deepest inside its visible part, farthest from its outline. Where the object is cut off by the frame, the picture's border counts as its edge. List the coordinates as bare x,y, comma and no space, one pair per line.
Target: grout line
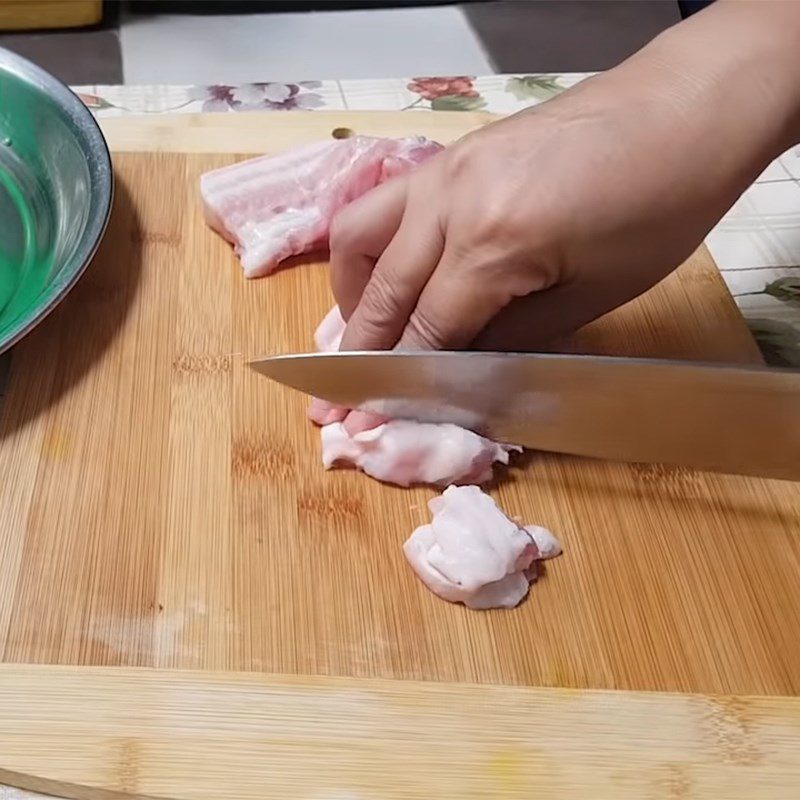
343,96
787,179
759,269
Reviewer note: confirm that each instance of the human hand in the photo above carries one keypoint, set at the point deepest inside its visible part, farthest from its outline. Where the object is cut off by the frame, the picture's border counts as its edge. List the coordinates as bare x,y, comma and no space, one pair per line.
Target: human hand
535,225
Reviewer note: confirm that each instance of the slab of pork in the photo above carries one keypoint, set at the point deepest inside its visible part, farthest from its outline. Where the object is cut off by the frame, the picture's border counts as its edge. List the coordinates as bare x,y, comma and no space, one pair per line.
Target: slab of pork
274,207
472,553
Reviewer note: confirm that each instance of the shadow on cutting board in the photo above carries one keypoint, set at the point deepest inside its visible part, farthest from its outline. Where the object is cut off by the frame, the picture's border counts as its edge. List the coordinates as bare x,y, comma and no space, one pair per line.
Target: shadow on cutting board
80,330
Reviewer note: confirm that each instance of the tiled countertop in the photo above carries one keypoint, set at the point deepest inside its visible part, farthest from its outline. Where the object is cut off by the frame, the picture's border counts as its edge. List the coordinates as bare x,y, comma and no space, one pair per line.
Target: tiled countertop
756,245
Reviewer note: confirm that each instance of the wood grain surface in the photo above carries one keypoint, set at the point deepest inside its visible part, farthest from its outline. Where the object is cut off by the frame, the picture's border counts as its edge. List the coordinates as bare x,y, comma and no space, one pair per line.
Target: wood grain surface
165,506
36,15
268,132
100,733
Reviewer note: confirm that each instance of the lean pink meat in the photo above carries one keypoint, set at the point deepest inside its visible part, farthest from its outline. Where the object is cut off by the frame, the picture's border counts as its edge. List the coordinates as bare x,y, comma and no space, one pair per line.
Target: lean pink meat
274,207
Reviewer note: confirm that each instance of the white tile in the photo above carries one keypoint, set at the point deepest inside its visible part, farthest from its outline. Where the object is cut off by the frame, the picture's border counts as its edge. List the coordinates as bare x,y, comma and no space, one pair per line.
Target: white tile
791,162
743,282
780,202
763,306
377,95
774,172
741,249
292,47
761,230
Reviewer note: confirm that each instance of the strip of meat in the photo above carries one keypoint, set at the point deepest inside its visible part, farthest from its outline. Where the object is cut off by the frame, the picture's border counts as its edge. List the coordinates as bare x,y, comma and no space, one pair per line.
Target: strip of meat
399,451
405,452
274,207
328,335
472,553
327,338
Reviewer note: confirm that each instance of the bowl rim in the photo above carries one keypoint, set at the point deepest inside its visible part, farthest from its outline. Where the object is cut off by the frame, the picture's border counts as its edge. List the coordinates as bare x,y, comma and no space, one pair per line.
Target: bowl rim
95,149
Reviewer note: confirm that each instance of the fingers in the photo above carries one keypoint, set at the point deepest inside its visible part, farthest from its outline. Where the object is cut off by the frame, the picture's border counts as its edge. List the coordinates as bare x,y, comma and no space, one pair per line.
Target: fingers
451,309
531,323
539,320
321,412
396,282
359,234
359,421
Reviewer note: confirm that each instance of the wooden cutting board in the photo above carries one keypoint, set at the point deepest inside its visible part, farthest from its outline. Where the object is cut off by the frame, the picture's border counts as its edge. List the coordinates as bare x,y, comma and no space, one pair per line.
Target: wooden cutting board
165,506
92,733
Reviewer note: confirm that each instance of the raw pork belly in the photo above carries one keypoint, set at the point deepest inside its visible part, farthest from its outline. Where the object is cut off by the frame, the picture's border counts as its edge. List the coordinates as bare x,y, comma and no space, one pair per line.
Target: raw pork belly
328,335
406,452
399,451
273,207
472,553
327,338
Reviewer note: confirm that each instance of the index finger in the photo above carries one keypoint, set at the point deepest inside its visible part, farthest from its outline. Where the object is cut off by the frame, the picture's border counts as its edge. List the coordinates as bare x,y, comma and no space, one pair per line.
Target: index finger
360,233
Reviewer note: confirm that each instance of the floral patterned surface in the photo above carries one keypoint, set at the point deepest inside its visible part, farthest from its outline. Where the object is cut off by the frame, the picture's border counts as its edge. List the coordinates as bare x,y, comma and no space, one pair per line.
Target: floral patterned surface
260,97
497,93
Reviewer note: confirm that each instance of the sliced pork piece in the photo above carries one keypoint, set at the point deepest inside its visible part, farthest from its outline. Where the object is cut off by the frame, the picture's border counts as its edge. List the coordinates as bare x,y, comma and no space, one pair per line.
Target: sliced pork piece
399,451
472,553
405,452
274,207
327,338
546,542
328,335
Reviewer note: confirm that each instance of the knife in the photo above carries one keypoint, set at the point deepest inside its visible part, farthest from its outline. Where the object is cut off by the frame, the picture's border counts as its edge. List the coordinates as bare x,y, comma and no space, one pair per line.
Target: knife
731,419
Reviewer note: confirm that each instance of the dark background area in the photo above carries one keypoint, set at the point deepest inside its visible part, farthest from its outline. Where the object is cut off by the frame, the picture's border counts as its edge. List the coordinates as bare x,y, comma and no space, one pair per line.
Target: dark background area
517,35
572,36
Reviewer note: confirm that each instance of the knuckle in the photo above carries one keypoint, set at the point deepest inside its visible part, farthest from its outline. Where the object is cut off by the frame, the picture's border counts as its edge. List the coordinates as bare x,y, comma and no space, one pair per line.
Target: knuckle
364,333
423,331
380,300
458,158
498,274
536,276
496,226
509,255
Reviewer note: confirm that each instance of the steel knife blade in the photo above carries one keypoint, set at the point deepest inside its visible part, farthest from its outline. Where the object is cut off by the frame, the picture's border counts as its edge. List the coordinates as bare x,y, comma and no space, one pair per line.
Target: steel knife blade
720,418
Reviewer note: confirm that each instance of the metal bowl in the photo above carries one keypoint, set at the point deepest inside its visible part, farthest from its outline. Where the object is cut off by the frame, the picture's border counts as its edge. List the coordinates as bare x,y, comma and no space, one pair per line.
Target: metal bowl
56,186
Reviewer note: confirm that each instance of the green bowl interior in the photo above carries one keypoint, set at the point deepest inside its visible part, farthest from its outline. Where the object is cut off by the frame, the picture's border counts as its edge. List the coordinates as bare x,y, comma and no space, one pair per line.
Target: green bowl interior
55,193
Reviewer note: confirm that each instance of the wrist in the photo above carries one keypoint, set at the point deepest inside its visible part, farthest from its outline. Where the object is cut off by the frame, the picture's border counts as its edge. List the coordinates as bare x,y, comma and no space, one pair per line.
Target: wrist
739,61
